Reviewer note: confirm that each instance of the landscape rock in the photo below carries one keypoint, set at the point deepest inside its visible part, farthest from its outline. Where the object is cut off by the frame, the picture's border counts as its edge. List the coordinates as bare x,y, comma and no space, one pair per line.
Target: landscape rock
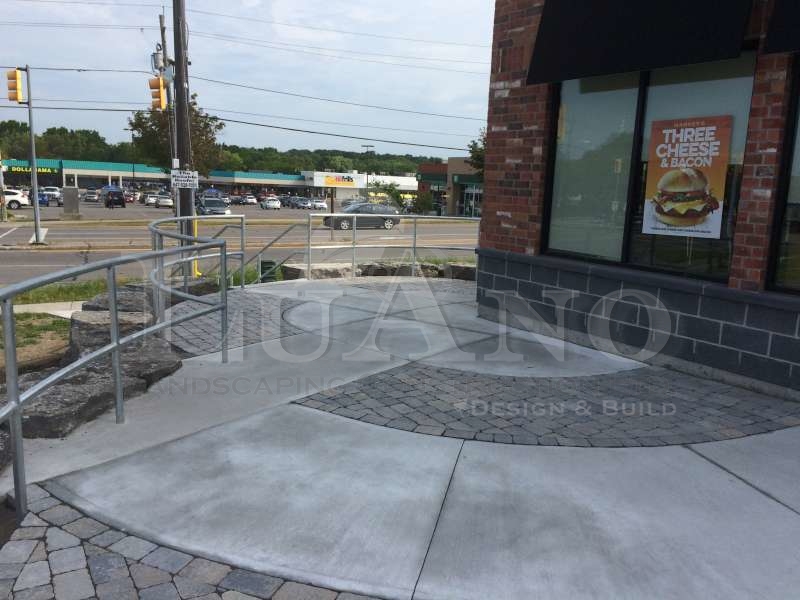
90,330
460,271
129,300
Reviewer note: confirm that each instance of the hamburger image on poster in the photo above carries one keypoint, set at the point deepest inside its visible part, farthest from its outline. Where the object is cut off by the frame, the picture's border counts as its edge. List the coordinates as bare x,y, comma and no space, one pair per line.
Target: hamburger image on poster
687,169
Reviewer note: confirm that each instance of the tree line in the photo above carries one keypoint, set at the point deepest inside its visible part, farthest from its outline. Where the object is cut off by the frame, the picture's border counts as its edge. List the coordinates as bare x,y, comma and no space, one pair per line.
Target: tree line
150,145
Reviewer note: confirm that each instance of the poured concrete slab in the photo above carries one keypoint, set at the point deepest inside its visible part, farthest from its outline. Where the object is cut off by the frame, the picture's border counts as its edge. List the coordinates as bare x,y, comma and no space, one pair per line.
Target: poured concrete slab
293,492
313,316
202,394
768,461
530,355
400,337
531,522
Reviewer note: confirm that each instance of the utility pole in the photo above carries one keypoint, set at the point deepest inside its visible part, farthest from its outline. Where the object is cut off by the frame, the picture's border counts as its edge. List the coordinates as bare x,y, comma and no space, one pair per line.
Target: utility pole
173,144
3,212
37,225
367,149
183,132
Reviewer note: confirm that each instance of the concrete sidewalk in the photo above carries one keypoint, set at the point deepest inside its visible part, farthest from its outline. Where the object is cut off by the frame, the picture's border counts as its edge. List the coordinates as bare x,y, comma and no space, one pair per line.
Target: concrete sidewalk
356,466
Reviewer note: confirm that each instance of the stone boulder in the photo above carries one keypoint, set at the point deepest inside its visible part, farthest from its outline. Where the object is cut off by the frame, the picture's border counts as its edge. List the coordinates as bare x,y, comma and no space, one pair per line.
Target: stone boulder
460,271
88,393
90,330
129,300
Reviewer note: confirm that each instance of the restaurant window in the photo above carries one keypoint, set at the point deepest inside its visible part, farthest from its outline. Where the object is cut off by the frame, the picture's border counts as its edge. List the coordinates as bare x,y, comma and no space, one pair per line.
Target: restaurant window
787,272
700,98
683,206
590,181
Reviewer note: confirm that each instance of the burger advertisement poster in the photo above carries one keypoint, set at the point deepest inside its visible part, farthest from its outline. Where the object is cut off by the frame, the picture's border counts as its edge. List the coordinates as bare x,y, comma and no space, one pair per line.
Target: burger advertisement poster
686,173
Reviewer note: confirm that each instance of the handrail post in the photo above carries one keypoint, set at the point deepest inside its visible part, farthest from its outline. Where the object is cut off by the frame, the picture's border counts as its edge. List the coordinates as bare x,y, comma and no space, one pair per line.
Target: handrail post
111,277
158,298
414,250
355,258
242,240
258,268
223,300
308,250
12,397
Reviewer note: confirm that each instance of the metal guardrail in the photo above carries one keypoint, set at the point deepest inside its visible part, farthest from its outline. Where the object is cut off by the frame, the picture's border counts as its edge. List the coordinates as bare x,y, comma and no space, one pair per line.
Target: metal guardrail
190,250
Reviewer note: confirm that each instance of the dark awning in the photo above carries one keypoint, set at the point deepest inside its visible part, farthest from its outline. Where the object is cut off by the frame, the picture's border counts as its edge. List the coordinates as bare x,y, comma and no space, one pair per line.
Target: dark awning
582,38
784,27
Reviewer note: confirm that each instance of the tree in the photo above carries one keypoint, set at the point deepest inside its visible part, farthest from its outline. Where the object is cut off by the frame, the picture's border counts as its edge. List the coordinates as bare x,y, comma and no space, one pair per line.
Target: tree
151,137
422,204
14,140
477,153
391,191
230,161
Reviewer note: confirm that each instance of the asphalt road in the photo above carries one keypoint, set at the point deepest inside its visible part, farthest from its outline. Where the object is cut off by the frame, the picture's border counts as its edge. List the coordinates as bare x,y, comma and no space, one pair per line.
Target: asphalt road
72,244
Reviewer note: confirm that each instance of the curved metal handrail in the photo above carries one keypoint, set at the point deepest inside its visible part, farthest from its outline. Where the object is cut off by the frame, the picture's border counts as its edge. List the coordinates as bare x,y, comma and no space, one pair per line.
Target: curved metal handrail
192,248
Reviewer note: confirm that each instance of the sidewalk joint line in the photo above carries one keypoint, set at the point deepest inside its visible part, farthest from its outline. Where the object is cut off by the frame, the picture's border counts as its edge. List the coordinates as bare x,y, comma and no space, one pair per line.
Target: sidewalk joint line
438,517
760,490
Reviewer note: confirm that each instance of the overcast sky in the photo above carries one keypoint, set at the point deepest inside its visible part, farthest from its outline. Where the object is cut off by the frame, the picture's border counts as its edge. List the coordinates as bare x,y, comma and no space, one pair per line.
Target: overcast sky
437,91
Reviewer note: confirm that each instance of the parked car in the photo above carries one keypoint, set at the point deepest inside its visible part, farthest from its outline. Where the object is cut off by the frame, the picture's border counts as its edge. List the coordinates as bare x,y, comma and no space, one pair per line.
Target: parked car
235,199
302,203
151,199
319,204
164,201
212,206
16,199
53,194
112,196
90,195
367,216
249,199
270,204
285,200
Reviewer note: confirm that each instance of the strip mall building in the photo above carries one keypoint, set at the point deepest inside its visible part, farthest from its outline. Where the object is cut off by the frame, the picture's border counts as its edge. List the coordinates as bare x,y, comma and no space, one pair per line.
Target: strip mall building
642,180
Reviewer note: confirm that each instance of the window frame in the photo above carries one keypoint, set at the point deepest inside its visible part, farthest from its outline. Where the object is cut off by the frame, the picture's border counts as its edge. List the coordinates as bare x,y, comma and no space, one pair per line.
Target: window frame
634,178
791,147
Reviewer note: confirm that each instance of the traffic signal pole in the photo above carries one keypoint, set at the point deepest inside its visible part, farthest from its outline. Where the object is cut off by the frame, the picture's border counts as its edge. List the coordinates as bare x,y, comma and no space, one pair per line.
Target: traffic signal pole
173,144
37,225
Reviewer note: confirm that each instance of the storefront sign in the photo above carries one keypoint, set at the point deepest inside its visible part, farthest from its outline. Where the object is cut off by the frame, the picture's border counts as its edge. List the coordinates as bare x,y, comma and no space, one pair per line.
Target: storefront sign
39,170
339,181
686,173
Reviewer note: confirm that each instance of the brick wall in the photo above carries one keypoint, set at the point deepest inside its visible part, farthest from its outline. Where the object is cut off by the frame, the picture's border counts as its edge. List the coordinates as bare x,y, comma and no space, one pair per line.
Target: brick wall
516,152
763,155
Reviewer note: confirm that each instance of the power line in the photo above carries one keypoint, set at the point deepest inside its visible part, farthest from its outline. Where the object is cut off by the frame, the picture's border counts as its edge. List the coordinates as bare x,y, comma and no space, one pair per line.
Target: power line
270,116
247,42
48,25
251,19
341,31
252,124
343,50
320,99
338,135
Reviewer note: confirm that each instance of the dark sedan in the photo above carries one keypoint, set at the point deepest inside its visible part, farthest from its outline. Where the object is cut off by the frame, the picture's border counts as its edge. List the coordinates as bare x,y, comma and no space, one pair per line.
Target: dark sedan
367,216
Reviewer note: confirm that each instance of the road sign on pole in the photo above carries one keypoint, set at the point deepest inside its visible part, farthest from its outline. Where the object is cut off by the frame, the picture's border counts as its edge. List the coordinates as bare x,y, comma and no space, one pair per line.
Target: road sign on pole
184,180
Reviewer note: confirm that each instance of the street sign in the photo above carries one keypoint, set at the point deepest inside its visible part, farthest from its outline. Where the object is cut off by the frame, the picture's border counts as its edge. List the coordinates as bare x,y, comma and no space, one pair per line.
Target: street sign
184,179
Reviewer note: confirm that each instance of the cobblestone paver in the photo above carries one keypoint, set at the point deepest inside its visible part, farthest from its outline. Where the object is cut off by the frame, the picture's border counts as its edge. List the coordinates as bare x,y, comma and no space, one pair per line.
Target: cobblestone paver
252,318
93,569
650,406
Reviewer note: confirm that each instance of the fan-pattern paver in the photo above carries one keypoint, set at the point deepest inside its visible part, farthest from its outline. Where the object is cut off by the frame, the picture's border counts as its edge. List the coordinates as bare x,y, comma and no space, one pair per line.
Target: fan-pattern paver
650,406
94,561
252,318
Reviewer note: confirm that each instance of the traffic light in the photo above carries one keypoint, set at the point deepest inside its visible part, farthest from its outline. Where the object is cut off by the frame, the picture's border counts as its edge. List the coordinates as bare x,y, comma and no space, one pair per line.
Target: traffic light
15,94
158,92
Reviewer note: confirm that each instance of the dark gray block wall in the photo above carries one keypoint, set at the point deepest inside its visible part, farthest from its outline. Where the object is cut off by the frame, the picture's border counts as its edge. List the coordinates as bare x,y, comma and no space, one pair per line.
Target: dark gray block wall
697,323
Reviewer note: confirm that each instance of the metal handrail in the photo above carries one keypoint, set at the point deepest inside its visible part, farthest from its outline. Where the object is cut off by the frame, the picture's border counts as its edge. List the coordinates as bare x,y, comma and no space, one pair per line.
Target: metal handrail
354,242
193,246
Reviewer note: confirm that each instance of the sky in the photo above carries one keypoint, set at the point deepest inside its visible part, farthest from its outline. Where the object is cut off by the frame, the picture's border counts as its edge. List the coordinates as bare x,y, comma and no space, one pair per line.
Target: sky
454,81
